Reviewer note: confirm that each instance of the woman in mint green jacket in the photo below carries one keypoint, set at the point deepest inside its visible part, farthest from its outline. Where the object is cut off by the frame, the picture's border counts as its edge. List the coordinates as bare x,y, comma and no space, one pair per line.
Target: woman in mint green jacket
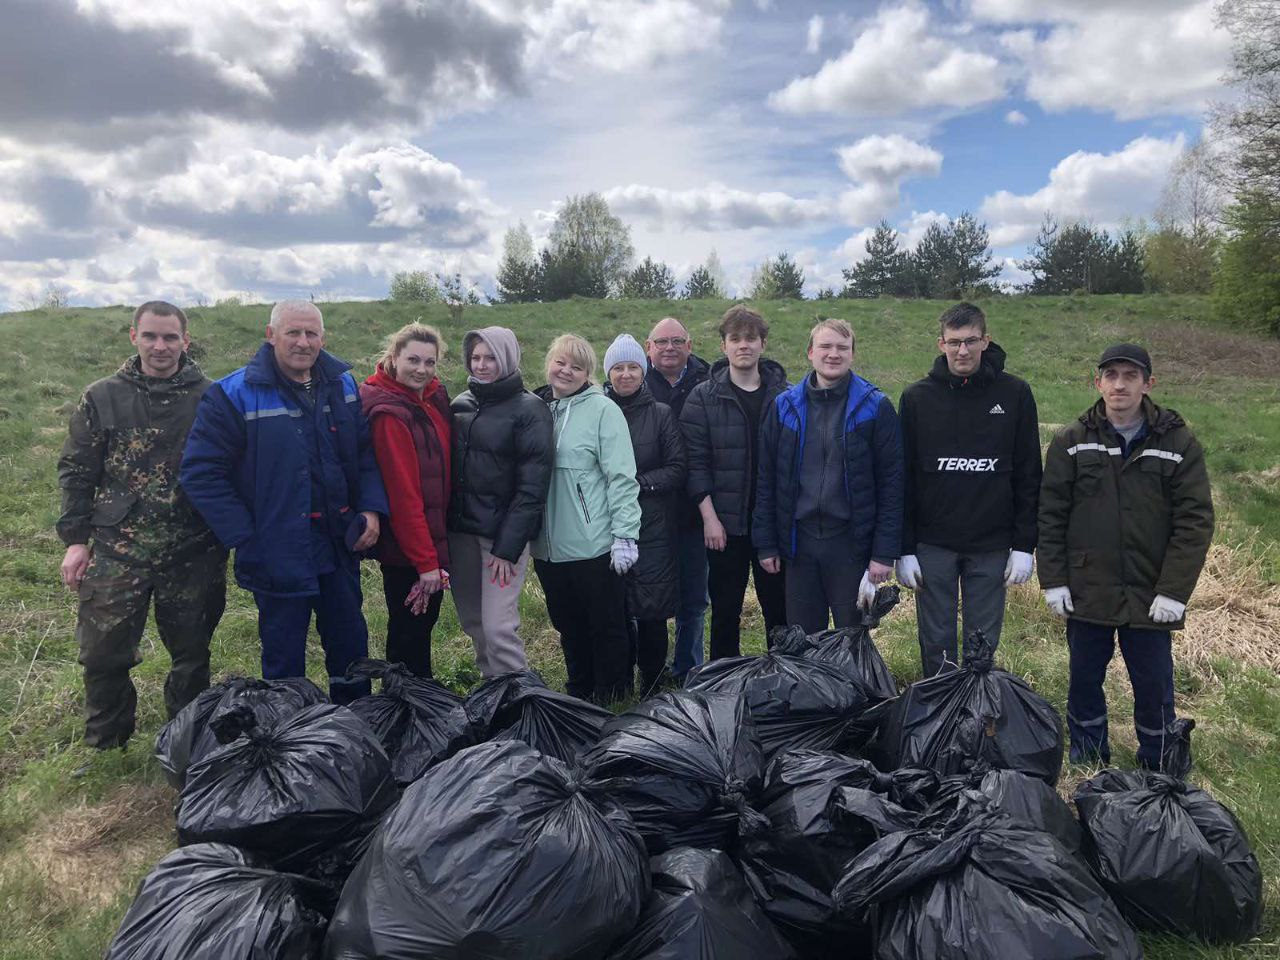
589,525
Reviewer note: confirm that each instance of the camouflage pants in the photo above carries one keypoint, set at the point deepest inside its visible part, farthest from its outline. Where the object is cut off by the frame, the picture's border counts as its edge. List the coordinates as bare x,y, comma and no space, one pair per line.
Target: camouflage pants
190,595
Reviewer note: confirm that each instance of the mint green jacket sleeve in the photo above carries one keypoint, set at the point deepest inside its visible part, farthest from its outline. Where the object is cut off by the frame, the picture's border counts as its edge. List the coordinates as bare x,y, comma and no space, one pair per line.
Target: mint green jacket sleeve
618,464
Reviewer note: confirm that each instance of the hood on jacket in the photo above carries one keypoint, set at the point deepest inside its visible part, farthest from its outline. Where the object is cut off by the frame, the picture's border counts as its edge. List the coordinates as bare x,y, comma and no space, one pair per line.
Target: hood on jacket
501,341
771,372
992,364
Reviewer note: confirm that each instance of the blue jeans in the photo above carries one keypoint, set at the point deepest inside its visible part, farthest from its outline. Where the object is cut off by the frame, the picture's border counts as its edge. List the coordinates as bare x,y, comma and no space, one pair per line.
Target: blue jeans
1148,656
283,623
691,557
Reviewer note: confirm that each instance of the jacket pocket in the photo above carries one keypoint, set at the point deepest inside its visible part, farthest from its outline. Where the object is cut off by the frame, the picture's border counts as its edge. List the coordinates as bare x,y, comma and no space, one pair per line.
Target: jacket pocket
1078,558
111,511
582,502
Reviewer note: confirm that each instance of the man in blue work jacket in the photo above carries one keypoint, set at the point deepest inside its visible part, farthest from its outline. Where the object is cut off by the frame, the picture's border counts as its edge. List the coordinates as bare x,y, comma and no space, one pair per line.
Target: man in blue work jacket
280,464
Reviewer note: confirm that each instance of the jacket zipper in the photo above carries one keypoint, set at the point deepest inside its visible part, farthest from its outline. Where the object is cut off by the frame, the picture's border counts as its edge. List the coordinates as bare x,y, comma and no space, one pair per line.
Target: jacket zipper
583,501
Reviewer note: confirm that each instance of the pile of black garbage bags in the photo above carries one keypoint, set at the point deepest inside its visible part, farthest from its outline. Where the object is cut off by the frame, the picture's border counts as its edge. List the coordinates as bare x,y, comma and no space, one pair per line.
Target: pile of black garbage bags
791,805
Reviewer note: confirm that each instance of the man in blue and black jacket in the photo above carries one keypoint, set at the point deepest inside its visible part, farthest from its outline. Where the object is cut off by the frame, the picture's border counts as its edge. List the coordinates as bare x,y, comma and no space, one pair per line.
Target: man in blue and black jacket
829,492
280,464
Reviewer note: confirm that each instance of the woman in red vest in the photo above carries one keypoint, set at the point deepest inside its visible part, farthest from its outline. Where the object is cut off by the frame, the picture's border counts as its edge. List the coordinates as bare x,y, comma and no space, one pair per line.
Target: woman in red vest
408,411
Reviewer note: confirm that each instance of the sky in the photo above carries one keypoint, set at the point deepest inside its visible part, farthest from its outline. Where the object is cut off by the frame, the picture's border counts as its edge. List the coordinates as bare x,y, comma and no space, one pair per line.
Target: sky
265,149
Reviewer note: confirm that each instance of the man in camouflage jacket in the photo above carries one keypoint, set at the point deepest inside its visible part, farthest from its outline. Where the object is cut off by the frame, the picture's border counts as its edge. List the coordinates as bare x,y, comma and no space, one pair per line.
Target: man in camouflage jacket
1126,517
131,533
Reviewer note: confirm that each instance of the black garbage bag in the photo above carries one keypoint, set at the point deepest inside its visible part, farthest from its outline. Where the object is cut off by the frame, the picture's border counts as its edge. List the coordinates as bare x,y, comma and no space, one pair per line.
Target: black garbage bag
700,909
1028,801
520,706
988,889
417,720
303,794
978,713
187,737
1173,858
854,653
685,765
211,901
823,810
796,702
1175,751
494,854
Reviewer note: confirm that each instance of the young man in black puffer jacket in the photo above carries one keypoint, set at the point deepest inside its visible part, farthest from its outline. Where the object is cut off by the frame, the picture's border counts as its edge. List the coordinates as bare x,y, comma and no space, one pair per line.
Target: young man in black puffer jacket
972,445
721,424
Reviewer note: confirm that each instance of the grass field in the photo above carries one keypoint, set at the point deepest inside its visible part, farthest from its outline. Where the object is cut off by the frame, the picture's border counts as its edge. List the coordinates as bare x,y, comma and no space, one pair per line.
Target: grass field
73,850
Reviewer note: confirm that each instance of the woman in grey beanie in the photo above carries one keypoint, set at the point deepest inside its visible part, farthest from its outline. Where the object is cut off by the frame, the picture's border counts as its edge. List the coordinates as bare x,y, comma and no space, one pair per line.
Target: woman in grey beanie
653,594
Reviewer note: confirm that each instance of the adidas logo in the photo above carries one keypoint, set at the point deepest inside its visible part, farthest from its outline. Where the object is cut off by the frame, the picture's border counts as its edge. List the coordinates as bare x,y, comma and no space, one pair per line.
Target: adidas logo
996,409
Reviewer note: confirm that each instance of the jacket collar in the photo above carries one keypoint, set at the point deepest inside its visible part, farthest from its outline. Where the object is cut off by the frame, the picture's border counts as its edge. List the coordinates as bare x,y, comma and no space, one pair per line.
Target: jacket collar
262,369
500,389
1159,419
992,365
641,398
188,373
772,376
860,392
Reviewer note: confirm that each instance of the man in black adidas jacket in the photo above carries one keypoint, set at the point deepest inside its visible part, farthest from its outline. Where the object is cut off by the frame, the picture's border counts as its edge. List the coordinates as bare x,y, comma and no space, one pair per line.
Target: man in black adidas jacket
972,446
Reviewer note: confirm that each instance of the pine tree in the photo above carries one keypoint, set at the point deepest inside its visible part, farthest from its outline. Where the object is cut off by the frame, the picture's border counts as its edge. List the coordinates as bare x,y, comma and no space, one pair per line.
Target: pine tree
701,286
649,281
884,271
788,278
518,280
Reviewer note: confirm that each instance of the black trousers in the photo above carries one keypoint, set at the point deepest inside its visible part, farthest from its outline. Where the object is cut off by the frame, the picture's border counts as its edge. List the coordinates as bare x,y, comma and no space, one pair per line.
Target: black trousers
649,649
727,573
586,602
408,635
822,584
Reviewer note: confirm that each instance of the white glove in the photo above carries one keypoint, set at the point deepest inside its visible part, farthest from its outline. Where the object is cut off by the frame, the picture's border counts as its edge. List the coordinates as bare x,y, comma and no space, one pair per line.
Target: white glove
907,570
866,592
1059,601
1166,609
623,555
1018,569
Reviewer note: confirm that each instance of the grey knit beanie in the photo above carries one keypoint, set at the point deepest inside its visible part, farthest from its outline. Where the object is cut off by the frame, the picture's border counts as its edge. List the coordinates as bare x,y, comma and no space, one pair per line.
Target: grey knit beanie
624,349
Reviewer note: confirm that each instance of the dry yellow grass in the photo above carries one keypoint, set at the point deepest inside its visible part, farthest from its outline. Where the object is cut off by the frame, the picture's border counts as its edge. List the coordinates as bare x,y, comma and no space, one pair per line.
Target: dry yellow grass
1234,614
82,853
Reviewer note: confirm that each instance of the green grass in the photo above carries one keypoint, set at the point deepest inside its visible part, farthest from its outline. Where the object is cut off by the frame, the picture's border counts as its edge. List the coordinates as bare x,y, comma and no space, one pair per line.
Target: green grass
72,851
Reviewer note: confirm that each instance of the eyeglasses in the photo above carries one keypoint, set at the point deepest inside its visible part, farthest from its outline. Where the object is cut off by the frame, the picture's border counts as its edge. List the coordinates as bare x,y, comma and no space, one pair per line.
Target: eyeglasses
670,341
969,342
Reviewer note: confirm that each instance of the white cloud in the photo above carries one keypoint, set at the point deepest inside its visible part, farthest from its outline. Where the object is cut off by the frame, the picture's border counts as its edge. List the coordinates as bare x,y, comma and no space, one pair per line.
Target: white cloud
878,165
889,159
715,207
1126,61
1016,118
813,38
910,230
1045,11
902,61
1096,187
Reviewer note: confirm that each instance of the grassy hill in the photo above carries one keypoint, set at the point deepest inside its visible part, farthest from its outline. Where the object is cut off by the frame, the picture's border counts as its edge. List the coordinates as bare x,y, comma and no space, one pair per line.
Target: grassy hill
72,851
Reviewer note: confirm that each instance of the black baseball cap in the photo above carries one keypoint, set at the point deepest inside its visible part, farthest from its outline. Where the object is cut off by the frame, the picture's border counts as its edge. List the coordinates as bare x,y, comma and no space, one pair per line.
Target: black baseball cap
1128,352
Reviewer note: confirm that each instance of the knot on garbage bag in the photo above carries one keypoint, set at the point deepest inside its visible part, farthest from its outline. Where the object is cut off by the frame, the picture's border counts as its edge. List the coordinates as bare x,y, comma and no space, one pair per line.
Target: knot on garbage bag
750,821
1164,784
236,721
882,782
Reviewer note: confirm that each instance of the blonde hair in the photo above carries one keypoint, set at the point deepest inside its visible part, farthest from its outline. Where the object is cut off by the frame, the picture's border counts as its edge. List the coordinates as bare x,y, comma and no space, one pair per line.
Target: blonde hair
575,349
415,332
837,326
